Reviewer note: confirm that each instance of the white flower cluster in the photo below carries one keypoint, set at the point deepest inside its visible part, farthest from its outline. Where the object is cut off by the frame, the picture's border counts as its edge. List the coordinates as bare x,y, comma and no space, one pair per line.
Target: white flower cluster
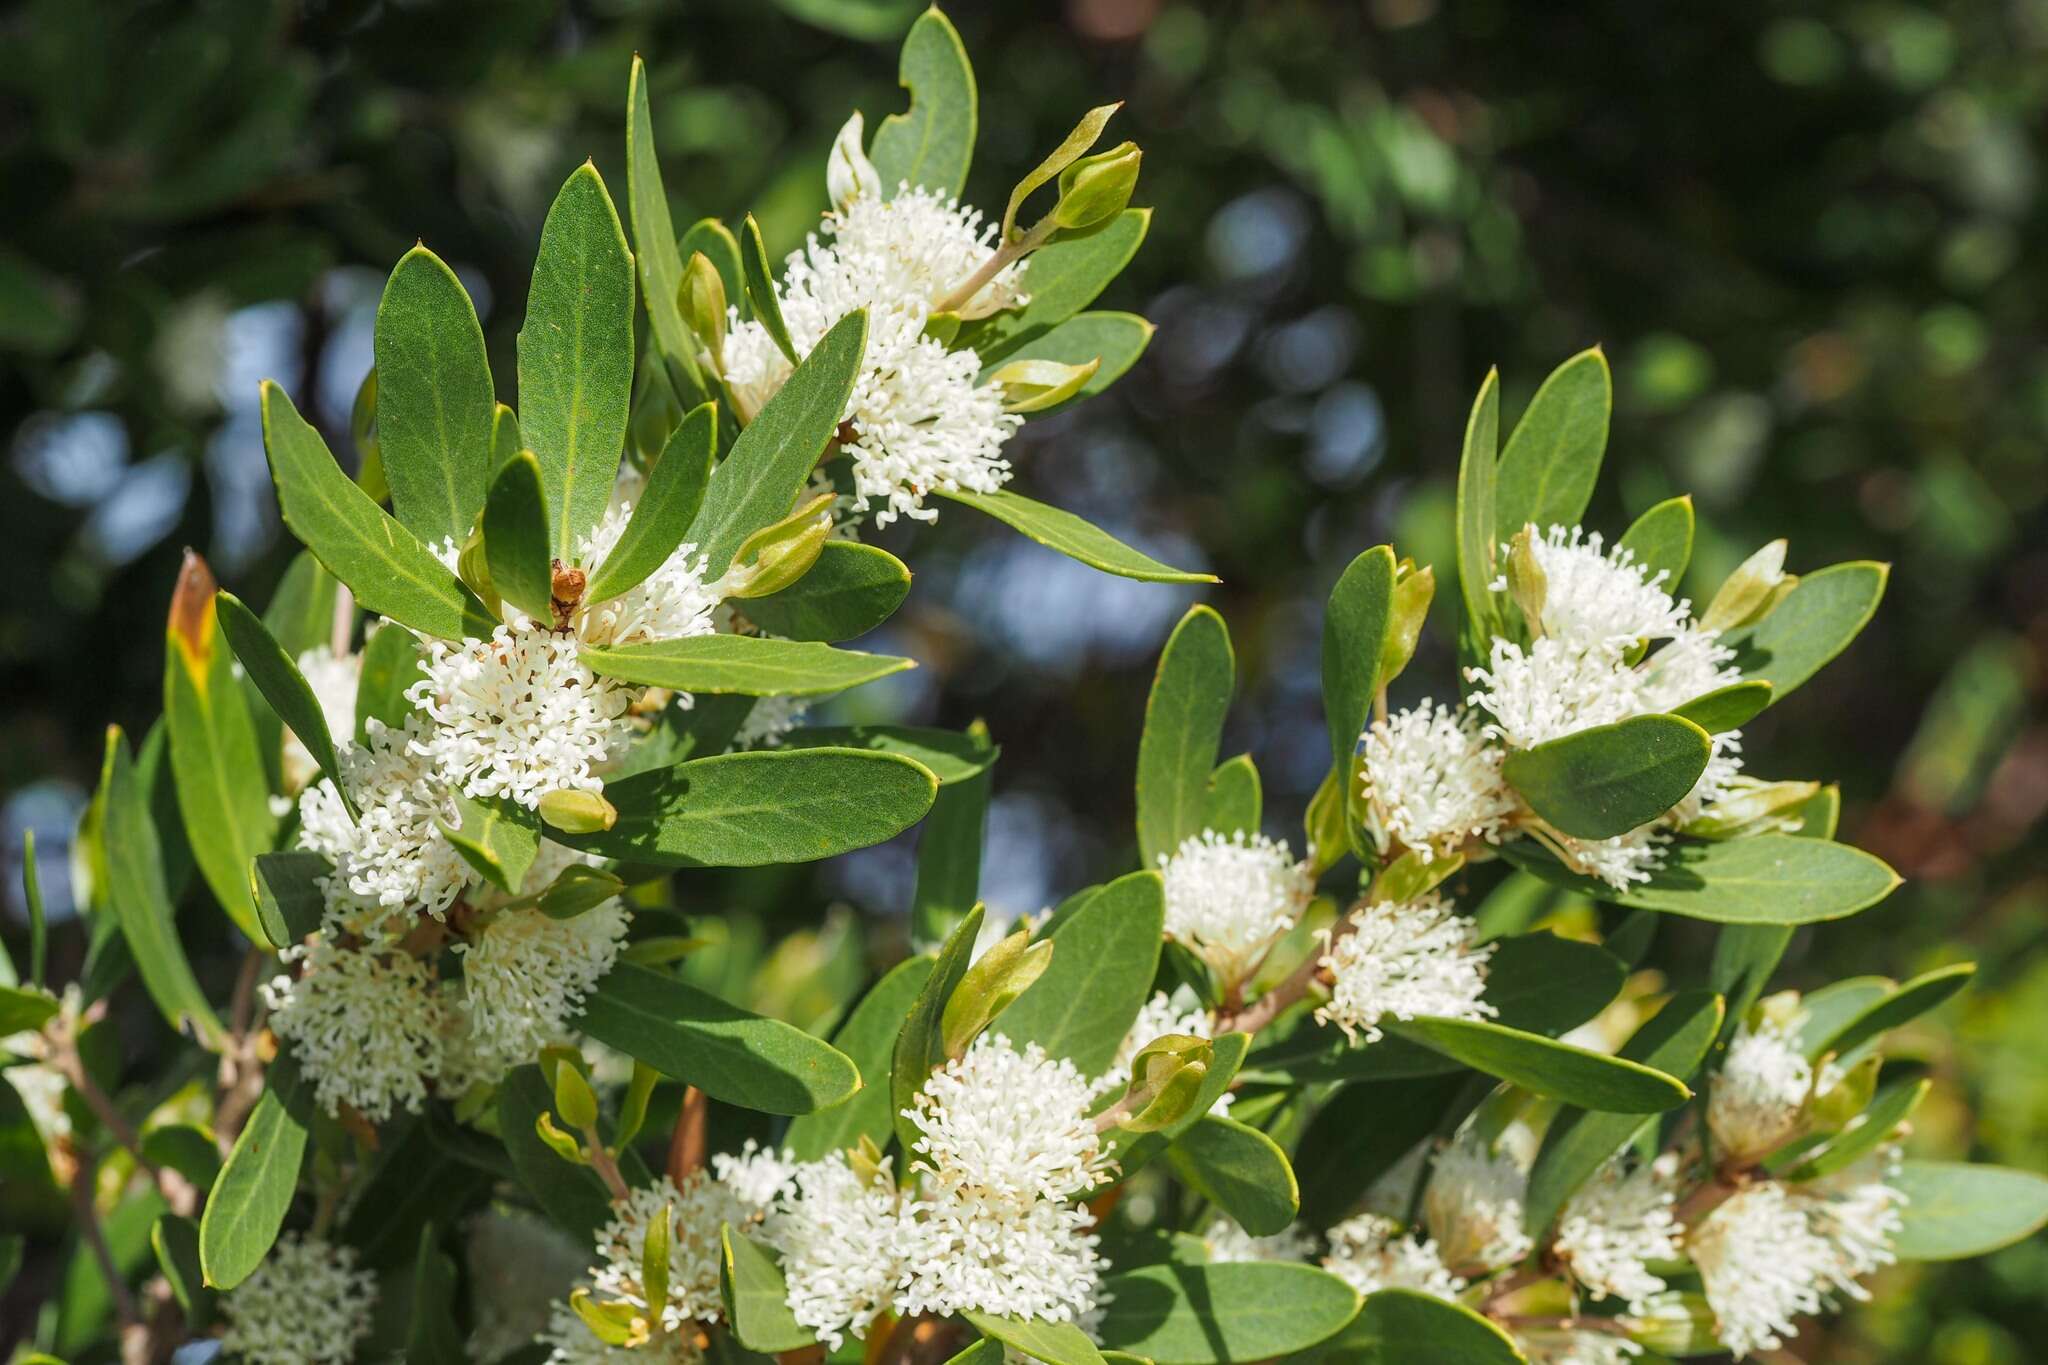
334,680
1616,1225
1404,960
918,421
1230,898
1761,1090
306,1304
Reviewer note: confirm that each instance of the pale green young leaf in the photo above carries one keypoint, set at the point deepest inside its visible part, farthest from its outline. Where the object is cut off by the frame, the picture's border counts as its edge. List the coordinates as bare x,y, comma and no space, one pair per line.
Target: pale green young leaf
750,665
1661,539
435,400
1061,279
1478,541
1084,136
1954,1211
1055,1343
654,234
1073,537
1113,340
717,244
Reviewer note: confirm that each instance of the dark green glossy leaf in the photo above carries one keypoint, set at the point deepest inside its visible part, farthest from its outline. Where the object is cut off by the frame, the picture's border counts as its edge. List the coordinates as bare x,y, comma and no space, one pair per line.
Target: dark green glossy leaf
1213,1314
1726,708
434,399
1104,957
1360,1134
255,1188
277,677
289,901
1552,458
1183,731
931,143
949,850
723,1050
659,258
1661,539
389,570
1073,537
1767,879
576,357
868,1038
1911,1000
1234,798
850,590
1610,779
516,531
1478,542
754,809
1240,1170
667,506
951,755
25,1009
1591,1080
1399,1326
750,665
1814,623
432,1337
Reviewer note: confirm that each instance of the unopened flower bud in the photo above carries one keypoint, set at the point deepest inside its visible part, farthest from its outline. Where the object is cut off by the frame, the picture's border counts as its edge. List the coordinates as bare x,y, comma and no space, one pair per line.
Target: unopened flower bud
1751,591
701,297
577,812
1166,1080
1096,188
849,175
472,568
1035,385
776,556
1526,583
574,1099
1414,589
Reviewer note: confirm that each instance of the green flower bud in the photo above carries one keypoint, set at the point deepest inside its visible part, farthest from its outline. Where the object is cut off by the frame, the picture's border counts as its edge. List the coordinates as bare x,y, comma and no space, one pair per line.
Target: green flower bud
575,1101
633,1108
1414,589
1674,1324
472,569
776,556
1166,1080
1096,188
1035,385
1751,591
577,812
581,887
701,297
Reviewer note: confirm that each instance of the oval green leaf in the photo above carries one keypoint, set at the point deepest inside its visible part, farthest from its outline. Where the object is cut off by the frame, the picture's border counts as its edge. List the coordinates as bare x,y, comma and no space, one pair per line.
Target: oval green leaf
434,398
756,1298
1104,957
1354,635
516,538
1214,1314
749,665
1816,621
1591,1080
1073,537
930,144
1766,879
849,591
1955,1210
1183,731
1552,459
1240,1170
1661,539
1610,779
254,1192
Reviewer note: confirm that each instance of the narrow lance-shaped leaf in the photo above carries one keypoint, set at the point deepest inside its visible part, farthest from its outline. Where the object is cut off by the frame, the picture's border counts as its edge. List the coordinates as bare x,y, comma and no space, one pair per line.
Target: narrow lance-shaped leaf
751,665
868,1038
759,274
1607,780
1552,459
667,505
931,143
434,398
254,1192
282,685
516,537
1183,731
654,233
1591,1080
918,1046
1073,537
386,566
1478,473
576,357
1354,634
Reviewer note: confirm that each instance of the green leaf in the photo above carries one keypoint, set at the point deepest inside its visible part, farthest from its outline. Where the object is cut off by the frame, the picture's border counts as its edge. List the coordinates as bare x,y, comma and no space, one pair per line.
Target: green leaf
659,257
754,809
301,611
1073,537
1892,1105
1478,542
1354,634
176,1243
750,665
505,442
1061,279
721,1049
1359,1136
1767,879
760,279
1183,731
255,1188
222,787
1956,1211
576,357
278,678
497,836
1398,1326
1552,459
1056,1343
1661,538
668,504
289,901
1726,708
1215,1314
1579,1141
931,143
868,1038
23,1009
1902,1006
849,591
1233,800
1607,780
432,1338
1815,622
750,1281
385,565
434,399
141,904
759,480
516,538
1591,1080
918,1048
573,1197
1824,1012
1103,960
1115,339
1240,1170
392,662
951,755
949,850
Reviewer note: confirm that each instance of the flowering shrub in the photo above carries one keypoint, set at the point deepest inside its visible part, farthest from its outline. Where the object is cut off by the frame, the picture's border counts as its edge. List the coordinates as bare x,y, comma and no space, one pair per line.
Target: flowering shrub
1244,1103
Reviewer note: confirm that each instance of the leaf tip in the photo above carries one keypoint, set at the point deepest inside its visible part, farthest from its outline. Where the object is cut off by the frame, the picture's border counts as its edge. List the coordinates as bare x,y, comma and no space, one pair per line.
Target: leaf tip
191,616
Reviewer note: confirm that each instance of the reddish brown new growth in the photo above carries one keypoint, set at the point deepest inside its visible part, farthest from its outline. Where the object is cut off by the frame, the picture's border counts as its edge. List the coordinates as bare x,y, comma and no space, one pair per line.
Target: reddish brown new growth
566,592
191,620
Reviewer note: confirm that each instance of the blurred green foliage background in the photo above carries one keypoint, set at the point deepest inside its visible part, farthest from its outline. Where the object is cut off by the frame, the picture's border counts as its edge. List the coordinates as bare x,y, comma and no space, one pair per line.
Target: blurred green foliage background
1805,234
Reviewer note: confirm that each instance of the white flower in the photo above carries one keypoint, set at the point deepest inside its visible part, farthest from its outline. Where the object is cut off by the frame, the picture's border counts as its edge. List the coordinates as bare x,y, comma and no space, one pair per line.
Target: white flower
1856,1212
1372,1253
1616,1224
1552,689
1406,959
526,975
1760,1093
966,1250
757,1176
306,1304
40,1085
1230,898
841,1240
1432,781
1574,1346
393,858
334,687
1598,596
518,715
1474,1205
1761,1265
574,1343
1620,861
918,420
1226,1242
672,603
768,720
695,1212
364,1023
1008,1125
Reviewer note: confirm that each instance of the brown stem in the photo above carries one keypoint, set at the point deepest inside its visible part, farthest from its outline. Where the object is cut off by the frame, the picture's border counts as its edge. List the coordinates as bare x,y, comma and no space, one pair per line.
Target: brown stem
686,1146
82,1185
607,1169
1269,1006
1711,1195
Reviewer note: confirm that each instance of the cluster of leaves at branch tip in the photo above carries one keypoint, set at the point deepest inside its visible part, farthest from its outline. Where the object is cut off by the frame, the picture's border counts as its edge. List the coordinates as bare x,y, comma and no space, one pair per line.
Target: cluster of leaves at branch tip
990,985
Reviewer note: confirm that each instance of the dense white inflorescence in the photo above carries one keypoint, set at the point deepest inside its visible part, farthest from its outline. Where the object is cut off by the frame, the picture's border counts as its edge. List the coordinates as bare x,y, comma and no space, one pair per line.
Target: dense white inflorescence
1432,781
1402,960
1229,898
1008,1124
841,1238
1761,1265
1372,1252
1474,1205
306,1304
365,1024
393,859
1226,1242
1616,1224
1760,1091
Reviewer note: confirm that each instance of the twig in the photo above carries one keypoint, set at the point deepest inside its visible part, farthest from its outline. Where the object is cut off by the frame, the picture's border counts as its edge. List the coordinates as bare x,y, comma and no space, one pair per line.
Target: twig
1269,1006
686,1146
82,1183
